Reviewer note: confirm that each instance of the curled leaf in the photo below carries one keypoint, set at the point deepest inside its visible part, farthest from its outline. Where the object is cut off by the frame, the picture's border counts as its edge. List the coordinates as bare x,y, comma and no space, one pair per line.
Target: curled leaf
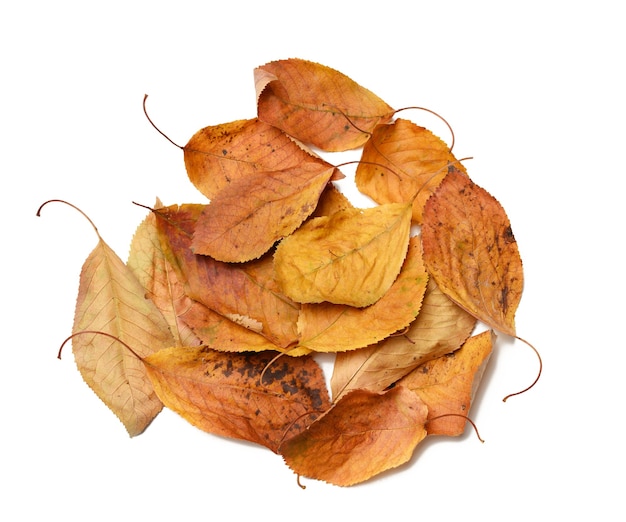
470,250
351,257
317,104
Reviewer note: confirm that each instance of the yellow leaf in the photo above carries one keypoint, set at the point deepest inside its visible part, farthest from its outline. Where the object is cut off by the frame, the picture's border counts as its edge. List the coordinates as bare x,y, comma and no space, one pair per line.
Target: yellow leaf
351,257
111,300
327,327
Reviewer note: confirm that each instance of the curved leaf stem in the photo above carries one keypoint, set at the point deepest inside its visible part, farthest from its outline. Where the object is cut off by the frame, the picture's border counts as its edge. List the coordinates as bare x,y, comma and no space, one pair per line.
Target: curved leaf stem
70,205
538,373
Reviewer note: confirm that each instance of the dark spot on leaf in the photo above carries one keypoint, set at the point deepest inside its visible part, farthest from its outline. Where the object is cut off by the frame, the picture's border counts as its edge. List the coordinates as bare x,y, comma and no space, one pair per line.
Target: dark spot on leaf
508,236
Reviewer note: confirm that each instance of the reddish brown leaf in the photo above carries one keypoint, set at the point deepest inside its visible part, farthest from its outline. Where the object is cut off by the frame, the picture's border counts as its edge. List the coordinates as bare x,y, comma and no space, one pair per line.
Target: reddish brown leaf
317,104
470,250
246,218
245,293
448,384
151,268
222,393
364,434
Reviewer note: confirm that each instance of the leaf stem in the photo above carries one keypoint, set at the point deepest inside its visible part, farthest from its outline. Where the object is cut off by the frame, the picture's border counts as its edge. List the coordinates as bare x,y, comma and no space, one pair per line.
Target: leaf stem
462,416
71,205
97,332
438,116
145,97
538,373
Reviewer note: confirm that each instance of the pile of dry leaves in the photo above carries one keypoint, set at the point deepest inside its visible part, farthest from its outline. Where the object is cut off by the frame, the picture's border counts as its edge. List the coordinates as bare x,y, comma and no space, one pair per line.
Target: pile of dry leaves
221,307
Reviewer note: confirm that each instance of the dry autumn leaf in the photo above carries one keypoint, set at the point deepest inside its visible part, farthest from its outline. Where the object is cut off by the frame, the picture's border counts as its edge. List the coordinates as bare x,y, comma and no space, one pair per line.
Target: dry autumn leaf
440,328
218,155
111,301
245,219
362,435
448,384
220,305
403,162
351,257
470,250
327,327
222,393
245,293
147,262
317,104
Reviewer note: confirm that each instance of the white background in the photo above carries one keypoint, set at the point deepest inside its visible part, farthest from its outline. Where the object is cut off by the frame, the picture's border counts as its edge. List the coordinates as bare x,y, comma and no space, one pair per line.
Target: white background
535,93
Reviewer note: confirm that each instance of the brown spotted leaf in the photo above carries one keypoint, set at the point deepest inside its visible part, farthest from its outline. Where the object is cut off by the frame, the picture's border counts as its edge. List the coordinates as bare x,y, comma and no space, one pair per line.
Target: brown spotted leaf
222,393
317,105
403,162
327,327
364,434
440,328
351,257
470,250
217,155
246,218
448,384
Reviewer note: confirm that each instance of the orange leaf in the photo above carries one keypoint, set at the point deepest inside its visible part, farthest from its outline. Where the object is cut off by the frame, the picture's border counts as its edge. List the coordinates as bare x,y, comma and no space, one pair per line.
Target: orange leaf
448,384
328,327
440,327
331,201
222,393
245,292
362,435
215,156
317,104
228,335
351,257
245,219
470,250
401,160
